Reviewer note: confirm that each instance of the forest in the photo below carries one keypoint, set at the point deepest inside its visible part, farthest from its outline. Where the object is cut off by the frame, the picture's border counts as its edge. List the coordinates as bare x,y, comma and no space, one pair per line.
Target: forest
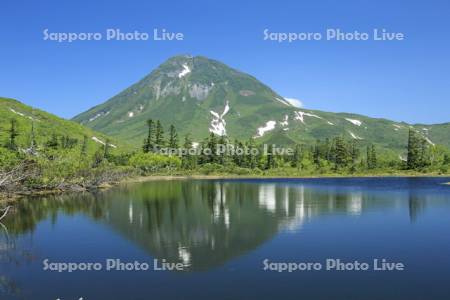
65,163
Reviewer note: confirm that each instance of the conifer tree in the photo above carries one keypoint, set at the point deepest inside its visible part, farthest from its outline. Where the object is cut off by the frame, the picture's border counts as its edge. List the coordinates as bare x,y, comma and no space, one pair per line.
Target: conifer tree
149,142
412,161
187,160
203,157
222,155
446,160
341,153
316,153
159,135
98,157
67,142
53,142
83,151
251,160
368,157
33,144
238,157
425,159
295,161
63,142
327,147
354,153
373,157
333,152
173,138
270,157
106,149
13,134
212,148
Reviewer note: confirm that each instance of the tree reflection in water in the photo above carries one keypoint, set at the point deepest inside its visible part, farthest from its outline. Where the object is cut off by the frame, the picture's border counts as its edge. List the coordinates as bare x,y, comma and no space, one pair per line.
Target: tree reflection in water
7,254
203,223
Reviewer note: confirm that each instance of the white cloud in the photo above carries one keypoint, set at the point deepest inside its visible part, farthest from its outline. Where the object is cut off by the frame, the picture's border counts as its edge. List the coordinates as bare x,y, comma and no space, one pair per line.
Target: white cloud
294,102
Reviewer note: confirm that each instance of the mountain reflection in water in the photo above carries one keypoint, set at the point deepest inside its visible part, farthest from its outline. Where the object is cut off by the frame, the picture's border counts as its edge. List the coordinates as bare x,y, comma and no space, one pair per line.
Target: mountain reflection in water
202,224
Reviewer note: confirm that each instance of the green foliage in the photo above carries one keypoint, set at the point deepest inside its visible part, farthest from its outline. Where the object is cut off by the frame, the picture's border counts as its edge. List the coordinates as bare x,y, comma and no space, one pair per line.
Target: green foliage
84,145
159,135
149,142
446,160
53,142
371,157
419,154
188,161
8,159
173,137
34,128
13,134
57,158
151,162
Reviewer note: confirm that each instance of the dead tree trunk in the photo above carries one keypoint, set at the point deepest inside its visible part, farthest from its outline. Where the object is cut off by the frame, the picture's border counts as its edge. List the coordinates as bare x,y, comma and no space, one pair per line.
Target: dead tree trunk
5,212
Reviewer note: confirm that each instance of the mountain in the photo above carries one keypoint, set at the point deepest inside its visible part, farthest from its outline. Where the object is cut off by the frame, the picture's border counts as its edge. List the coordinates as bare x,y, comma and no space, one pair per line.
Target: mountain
45,125
200,95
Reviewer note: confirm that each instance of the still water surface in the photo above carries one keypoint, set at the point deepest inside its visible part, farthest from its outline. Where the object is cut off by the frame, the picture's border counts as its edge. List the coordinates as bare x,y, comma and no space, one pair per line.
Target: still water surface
221,231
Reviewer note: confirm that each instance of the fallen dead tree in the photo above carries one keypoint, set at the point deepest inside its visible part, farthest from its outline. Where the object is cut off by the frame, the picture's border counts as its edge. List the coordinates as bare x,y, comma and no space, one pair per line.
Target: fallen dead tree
14,178
5,212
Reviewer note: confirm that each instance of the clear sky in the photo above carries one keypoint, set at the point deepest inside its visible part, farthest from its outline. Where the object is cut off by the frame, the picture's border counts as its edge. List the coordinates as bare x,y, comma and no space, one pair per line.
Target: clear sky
405,80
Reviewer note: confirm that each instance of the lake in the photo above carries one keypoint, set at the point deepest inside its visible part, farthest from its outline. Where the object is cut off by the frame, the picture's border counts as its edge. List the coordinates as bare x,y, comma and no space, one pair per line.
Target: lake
232,239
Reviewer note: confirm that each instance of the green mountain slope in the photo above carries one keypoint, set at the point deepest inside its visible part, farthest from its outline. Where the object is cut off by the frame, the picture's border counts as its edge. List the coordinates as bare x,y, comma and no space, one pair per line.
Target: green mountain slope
199,95
45,125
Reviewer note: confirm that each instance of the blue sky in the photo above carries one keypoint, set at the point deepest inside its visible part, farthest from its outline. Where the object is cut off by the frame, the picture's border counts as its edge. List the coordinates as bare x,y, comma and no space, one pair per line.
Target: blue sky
401,80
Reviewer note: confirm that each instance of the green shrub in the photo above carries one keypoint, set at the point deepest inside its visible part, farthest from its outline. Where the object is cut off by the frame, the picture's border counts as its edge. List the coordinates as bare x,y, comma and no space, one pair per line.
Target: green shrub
150,162
8,159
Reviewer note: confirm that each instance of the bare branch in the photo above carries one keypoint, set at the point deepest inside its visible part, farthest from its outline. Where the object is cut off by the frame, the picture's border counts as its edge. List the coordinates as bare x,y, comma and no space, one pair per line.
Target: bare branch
5,210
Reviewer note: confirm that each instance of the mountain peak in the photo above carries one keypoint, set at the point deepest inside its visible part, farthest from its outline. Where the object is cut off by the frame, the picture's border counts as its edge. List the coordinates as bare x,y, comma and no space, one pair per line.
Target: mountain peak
189,92
200,96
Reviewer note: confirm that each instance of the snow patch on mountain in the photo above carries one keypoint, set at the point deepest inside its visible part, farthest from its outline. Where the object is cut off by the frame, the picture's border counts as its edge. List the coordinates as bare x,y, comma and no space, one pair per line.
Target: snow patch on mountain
329,123
100,114
397,127
218,123
283,101
354,121
354,136
17,113
97,140
294,102
429,141
130,114
270,125
185,71
299,115
21,114
425,136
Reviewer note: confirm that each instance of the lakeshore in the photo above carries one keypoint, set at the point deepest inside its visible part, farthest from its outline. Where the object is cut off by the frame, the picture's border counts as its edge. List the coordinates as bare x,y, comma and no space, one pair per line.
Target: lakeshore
6,197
